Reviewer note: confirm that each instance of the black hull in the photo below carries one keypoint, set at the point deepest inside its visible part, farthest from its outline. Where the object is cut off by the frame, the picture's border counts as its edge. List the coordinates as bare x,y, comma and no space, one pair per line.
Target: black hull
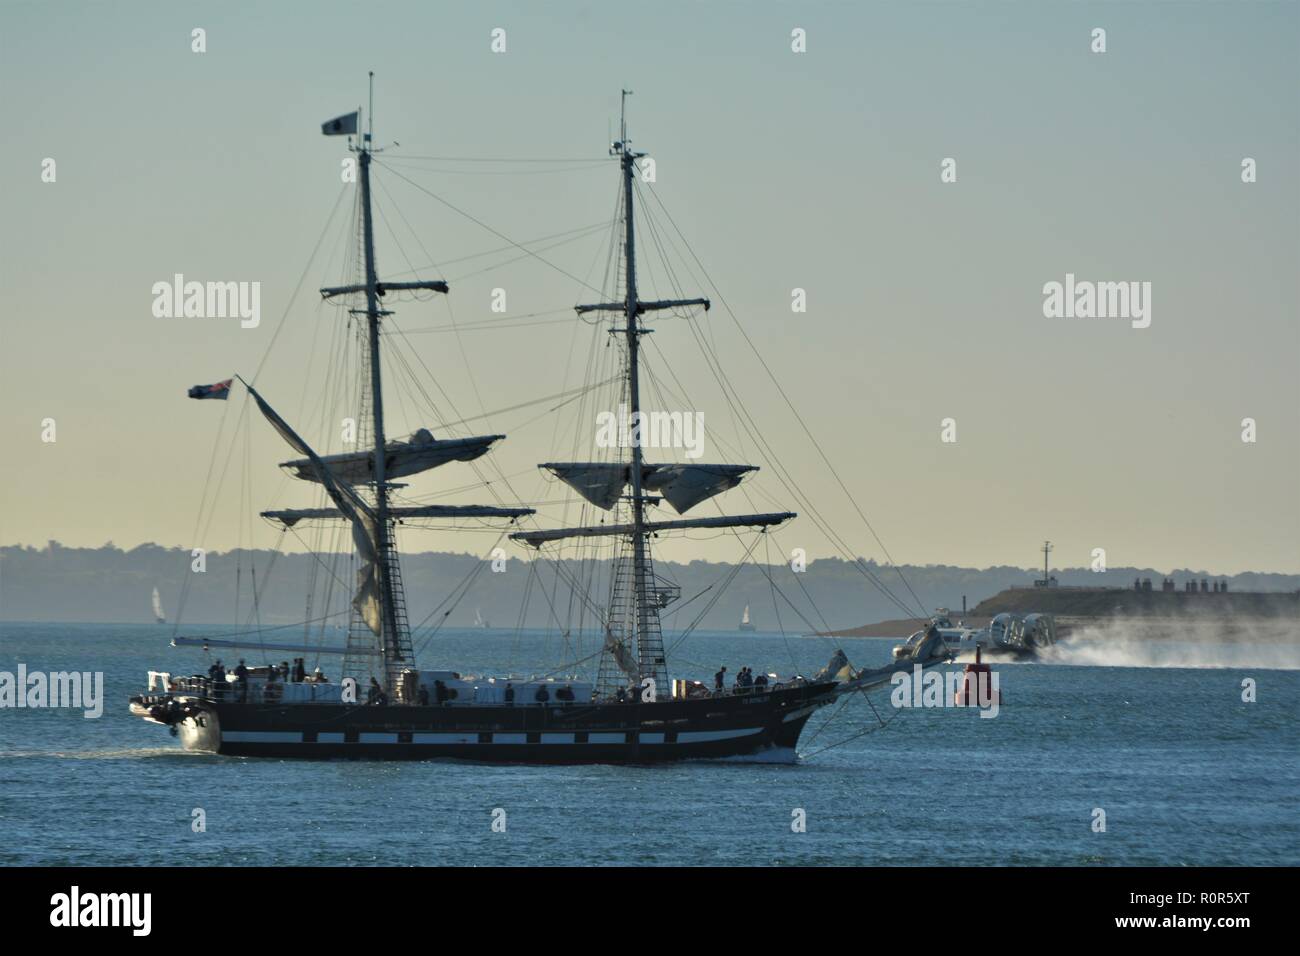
765,726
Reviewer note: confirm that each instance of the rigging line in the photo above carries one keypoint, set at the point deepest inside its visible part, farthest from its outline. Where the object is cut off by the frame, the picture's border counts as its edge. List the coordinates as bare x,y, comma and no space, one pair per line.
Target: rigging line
798,579
731,576
574,233
768,574
715,364
298,288
462,588
498,172
789,404
733,399
559,670
198,517
493,321
280,627
776,609
523,609
450,312
827,722
862,733
786,479
813,604
328,570
480,223
505,262
504,159
550,603
714,361
570,396
491,325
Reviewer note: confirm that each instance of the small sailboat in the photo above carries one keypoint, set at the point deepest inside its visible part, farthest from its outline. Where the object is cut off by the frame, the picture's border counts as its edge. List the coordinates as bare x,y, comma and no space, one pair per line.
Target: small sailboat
745,623
158,614
481,622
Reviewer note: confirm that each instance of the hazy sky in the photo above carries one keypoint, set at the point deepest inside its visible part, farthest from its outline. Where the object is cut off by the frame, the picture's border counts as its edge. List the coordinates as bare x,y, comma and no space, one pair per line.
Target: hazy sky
818,170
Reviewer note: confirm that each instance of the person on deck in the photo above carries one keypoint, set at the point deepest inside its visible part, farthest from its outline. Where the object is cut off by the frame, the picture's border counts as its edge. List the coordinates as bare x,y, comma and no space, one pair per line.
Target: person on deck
743,681
760,682
422,698
376,693
542,695
300,670
241,676
510,694
719,685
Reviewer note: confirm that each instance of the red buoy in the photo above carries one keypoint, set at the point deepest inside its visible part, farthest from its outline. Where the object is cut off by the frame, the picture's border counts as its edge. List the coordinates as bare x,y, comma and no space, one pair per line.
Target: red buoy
977,676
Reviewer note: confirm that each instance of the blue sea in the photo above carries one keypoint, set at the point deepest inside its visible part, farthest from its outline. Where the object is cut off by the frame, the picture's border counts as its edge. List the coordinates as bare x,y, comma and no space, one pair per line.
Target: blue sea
1184,770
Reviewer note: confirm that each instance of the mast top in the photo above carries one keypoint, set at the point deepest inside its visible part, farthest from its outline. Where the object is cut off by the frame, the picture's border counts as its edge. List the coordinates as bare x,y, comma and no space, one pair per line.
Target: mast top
370,119
621,146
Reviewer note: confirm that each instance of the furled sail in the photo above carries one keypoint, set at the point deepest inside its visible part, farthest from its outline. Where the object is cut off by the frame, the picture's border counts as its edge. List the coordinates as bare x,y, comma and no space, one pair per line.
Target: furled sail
537,537
622,655
291,516
418,453
351,506
683,485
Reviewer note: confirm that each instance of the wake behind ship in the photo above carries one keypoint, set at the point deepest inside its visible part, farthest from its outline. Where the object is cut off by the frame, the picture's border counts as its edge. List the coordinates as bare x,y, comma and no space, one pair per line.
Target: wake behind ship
382,704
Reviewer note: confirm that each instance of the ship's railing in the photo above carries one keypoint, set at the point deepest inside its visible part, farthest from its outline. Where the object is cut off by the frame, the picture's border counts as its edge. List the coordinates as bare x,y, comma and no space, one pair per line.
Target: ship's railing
256,690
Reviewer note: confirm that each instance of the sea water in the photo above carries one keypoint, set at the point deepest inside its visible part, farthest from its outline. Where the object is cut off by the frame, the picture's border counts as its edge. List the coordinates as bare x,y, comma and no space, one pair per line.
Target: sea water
1090,760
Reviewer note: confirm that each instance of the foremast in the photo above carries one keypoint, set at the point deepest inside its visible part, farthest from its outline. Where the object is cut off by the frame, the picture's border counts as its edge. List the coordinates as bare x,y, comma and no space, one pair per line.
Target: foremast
379,640
395,645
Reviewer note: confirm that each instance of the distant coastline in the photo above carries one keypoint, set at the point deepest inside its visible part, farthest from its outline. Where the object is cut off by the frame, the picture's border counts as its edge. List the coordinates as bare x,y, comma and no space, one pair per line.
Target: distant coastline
58,583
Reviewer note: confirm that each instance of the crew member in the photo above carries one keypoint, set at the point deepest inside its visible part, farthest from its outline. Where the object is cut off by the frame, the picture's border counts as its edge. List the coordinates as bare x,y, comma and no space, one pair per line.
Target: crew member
241,676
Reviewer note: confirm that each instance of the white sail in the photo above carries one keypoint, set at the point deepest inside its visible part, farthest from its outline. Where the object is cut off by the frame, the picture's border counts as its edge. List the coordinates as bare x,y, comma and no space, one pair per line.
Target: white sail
683,486
157,606
744,618
599,482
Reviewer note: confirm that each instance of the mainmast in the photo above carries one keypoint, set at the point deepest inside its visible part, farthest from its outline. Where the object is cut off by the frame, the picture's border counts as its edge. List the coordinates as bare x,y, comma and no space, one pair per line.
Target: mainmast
683,485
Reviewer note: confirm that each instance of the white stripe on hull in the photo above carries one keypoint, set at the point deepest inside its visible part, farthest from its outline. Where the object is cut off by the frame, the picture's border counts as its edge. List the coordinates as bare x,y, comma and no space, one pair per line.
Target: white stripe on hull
444,738
699,736
296,737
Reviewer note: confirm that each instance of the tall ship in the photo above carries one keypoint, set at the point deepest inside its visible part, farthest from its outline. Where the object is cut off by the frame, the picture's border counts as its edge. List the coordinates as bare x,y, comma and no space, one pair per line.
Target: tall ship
383,704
